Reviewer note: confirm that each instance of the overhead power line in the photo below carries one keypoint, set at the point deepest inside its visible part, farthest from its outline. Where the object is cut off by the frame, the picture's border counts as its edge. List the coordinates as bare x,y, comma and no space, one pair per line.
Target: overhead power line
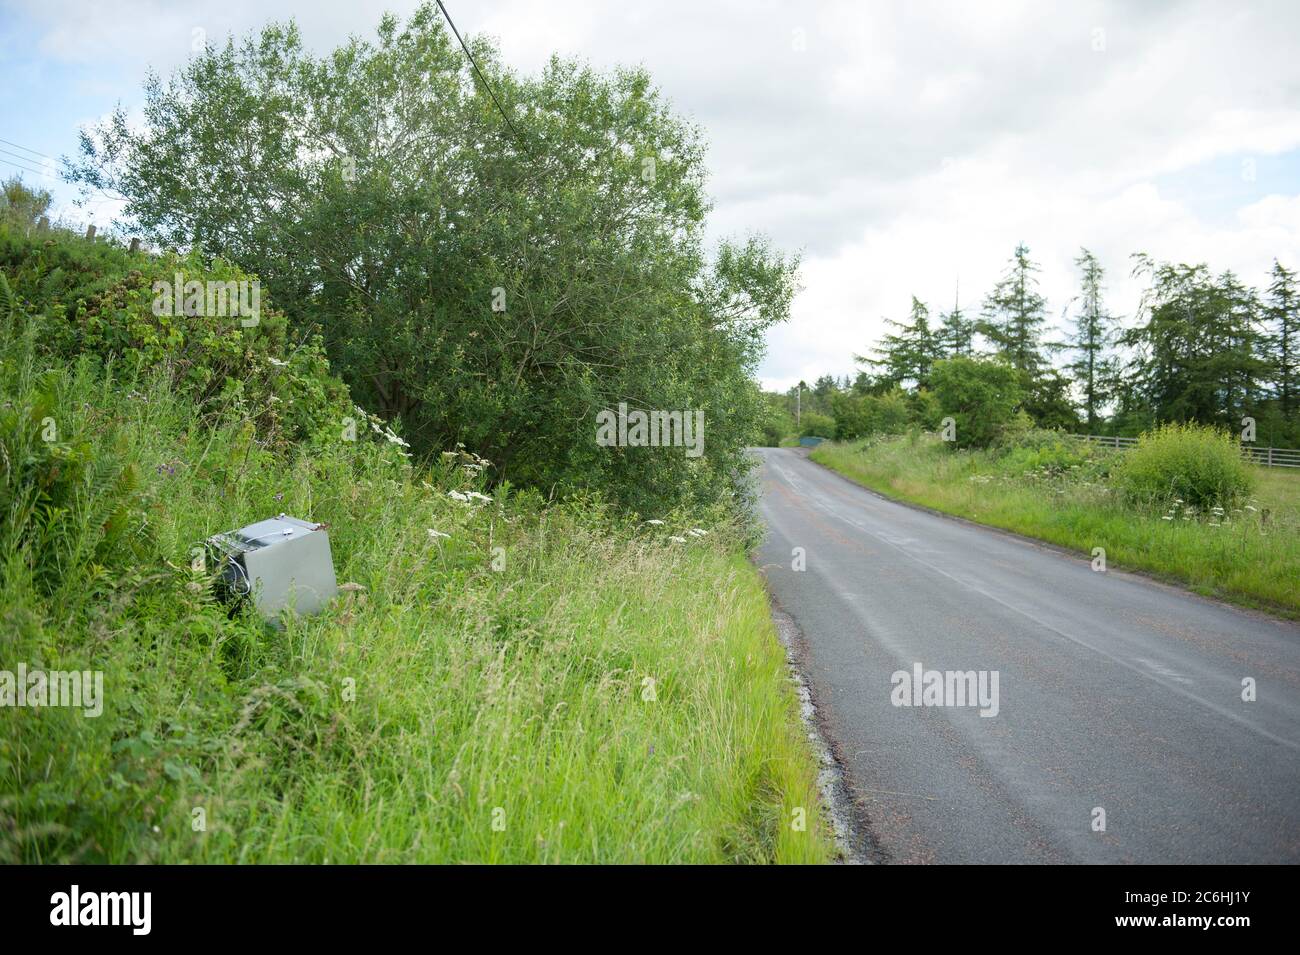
10,162
482,78
26,150
27,159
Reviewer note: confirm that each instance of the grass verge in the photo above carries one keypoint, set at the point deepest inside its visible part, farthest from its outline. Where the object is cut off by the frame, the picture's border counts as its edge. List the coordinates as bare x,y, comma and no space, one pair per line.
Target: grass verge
531,683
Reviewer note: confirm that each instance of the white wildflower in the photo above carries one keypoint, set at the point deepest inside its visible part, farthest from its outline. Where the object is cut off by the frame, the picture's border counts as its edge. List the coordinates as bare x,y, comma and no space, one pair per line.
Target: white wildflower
458,496
277,363
697,532
655,522
475,495
434,535
678,540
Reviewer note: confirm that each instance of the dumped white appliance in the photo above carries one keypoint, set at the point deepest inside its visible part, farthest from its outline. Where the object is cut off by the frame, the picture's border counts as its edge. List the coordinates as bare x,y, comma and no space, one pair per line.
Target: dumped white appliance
280,562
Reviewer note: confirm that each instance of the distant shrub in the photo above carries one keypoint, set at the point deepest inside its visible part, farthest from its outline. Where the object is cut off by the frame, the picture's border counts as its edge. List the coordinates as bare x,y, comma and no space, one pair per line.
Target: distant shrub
816,425
982,397
777,423
857,416
1197,464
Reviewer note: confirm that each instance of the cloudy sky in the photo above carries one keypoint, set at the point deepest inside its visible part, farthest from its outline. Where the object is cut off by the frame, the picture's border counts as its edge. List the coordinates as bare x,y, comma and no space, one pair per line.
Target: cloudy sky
903,148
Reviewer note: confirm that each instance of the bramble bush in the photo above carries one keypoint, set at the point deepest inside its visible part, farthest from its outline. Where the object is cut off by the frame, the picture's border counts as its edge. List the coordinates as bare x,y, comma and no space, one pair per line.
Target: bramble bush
92,299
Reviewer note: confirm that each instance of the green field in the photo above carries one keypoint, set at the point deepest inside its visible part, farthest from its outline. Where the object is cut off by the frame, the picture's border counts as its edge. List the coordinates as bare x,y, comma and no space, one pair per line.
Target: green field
1252,558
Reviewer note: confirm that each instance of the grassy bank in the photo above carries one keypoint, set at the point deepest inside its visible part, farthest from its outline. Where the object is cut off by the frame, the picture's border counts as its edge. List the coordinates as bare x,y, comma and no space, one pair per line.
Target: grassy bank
1064,496
503,680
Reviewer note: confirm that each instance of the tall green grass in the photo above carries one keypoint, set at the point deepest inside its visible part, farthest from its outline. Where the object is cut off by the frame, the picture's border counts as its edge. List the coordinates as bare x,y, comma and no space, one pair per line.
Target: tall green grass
1065,493
608,695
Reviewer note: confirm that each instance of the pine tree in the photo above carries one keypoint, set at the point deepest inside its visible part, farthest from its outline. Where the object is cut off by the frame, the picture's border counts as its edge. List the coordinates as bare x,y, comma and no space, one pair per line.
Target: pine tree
1094,335
908,355
956,334
1239,361
1283,342
1014,313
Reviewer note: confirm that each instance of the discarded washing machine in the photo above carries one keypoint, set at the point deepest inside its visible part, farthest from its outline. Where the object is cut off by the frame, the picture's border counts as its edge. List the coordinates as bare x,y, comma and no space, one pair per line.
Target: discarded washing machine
277,563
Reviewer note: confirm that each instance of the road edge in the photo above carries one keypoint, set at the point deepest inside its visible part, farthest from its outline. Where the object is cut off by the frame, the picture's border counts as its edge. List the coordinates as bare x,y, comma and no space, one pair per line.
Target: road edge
850,826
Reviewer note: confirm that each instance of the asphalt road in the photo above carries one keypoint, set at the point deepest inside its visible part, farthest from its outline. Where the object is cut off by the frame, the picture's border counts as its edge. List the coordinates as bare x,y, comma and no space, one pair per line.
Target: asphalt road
1113,691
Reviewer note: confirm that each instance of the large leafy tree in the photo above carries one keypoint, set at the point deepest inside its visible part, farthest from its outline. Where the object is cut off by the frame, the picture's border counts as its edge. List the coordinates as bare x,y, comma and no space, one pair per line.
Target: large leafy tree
491,264
1198,355
981,396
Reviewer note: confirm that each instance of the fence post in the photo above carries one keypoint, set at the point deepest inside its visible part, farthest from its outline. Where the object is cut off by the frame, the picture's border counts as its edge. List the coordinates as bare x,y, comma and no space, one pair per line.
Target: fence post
90,231
135,245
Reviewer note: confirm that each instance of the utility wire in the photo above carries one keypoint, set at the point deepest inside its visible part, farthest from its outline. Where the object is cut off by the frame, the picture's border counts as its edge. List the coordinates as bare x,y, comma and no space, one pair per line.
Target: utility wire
37,172
26,150
26,159
482,78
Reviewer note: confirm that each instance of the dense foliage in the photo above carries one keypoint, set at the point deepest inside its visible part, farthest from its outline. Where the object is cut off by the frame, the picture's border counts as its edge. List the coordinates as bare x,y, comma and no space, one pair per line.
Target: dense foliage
490,276
470,696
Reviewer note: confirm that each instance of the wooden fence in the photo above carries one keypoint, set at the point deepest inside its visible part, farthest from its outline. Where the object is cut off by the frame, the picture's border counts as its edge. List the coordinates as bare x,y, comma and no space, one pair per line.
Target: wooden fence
1268,457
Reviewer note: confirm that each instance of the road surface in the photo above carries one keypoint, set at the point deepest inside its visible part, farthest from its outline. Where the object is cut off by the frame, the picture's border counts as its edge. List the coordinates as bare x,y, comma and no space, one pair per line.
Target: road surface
1114,693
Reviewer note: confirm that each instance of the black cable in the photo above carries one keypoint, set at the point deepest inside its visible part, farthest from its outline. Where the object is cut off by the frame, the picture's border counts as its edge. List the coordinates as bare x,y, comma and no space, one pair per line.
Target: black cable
37,172
21,158
482,78
26,150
